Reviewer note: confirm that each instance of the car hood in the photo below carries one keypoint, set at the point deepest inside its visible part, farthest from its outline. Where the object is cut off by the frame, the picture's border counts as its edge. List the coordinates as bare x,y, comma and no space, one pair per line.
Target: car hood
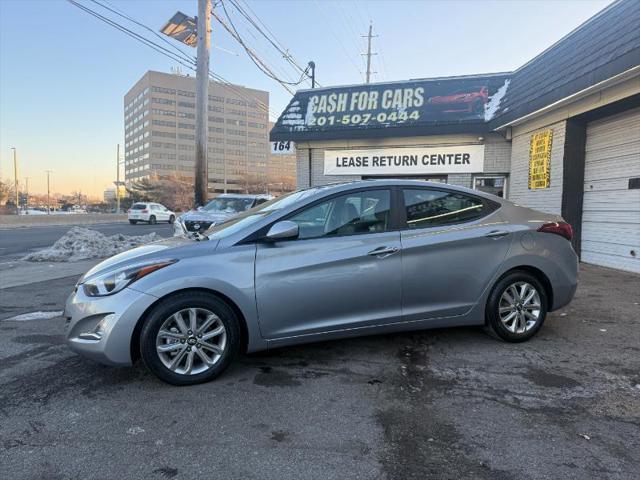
162,249
203,216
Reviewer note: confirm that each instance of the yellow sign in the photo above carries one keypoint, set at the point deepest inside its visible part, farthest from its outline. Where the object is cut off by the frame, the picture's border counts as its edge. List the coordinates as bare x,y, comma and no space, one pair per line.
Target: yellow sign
540,160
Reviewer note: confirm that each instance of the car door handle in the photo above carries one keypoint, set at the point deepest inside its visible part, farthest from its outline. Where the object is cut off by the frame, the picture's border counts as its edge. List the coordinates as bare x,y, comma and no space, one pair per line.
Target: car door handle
497,234
382,252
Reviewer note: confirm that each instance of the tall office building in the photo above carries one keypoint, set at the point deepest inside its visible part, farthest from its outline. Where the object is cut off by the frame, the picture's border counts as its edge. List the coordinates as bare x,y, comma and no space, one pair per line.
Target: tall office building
159,119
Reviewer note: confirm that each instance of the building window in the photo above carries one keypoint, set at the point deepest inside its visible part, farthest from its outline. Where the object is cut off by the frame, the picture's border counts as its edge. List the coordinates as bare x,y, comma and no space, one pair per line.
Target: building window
170,91
495,185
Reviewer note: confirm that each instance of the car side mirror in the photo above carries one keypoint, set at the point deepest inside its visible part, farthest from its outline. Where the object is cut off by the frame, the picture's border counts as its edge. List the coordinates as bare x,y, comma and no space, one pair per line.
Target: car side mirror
283,230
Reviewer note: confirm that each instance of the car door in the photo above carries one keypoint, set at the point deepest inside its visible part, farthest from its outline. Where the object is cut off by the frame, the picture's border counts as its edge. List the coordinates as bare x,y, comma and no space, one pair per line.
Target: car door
452,245
343,270
163,213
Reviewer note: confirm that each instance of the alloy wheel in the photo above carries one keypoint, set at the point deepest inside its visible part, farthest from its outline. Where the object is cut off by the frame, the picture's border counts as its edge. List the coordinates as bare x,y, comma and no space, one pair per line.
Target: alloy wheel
519,307
191,341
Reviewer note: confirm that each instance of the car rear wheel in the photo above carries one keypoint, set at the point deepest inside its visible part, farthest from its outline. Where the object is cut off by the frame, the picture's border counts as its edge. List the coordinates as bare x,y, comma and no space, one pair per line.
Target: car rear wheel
152,220
189,338
517,307
133,222
172,218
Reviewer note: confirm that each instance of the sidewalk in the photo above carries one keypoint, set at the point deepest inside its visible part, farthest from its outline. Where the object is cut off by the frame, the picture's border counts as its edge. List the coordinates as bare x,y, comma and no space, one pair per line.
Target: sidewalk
14,274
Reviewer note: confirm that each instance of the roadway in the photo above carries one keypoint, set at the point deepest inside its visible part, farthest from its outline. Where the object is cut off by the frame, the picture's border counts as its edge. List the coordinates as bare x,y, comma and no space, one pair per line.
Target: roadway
18,242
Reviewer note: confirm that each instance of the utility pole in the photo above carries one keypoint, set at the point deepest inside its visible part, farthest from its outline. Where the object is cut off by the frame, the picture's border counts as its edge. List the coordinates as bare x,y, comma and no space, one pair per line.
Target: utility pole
312,67
369,54
48,200
202,102
26,194
118,179
15,178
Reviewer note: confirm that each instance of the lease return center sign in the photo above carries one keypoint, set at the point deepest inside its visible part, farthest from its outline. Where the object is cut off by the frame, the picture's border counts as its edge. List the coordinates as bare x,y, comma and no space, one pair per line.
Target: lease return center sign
405,161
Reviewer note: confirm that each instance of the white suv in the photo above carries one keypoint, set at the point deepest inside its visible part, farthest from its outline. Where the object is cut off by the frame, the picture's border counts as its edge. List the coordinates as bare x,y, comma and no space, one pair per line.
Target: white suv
151,213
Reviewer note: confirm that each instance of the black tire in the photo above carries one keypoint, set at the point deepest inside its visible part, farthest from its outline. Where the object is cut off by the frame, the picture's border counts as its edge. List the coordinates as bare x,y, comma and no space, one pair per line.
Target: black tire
172,219
133,222
493,322
152,220
163,310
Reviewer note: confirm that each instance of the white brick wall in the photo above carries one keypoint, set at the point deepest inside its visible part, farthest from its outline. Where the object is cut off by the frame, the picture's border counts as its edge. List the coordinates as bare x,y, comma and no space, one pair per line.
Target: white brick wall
461,179
317,169
497,157
547,199
497,154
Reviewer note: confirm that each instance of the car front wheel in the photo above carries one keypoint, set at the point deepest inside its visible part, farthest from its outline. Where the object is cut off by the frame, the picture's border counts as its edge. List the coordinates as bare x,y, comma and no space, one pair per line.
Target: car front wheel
189,338
172,218
517,307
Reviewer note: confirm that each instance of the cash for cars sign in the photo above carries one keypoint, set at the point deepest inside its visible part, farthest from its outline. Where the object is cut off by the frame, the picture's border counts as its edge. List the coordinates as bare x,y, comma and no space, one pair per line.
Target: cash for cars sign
540,160
405,161
384,106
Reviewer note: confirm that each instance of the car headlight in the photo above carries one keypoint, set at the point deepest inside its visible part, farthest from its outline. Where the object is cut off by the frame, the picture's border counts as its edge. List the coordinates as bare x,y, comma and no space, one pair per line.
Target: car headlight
112,282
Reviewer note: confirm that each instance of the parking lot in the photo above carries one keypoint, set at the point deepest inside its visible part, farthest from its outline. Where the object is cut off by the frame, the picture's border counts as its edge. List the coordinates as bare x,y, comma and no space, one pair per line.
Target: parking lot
435,404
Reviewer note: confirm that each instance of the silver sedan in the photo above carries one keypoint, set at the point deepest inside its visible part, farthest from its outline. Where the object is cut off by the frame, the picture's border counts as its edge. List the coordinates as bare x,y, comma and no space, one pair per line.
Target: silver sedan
360,258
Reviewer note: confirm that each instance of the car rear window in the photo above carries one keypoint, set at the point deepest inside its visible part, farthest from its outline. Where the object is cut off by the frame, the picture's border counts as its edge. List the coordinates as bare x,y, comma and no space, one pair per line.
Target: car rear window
433,208
138,206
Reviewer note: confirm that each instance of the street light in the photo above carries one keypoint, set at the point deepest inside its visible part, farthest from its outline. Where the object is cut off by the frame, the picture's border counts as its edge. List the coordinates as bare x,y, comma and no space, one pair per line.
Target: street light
48,202
15,176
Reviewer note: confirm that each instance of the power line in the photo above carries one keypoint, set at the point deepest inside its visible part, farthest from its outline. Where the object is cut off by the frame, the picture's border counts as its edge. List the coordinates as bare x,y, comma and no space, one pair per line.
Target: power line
262,66
270,37
184,58
146,27
344,50
132,34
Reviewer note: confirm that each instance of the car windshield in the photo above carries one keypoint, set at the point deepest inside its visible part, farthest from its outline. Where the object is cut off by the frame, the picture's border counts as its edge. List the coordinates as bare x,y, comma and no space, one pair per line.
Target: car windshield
228,205
249,217
138,206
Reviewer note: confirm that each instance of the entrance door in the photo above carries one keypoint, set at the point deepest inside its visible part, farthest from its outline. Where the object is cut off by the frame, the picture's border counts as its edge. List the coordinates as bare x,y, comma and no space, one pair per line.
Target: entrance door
343,271
493,184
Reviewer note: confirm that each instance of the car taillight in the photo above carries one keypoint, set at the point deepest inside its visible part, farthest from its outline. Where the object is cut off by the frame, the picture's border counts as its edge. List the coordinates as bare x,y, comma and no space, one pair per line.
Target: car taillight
145,211
559,228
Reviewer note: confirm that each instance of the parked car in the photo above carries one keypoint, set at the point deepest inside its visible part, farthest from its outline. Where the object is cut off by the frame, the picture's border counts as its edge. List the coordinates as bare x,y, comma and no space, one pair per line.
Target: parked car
217,210
149,212
470,100
361,258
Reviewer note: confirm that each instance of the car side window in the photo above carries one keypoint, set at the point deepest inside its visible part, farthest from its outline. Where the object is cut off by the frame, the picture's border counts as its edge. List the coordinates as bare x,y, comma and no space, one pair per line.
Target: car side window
354,213
433,208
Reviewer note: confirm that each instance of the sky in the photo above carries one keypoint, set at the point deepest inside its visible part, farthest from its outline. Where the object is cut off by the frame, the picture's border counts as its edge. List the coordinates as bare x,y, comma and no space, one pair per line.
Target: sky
63,73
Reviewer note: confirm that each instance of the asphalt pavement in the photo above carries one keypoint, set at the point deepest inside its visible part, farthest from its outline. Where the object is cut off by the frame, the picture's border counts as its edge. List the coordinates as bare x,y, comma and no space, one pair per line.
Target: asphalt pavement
439,404
18,242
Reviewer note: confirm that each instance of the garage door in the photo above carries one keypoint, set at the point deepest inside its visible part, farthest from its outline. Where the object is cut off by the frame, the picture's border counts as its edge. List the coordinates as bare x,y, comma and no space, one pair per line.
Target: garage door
611,208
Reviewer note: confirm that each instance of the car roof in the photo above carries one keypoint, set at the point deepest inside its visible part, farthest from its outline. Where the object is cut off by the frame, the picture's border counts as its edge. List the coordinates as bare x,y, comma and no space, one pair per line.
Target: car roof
242,195
393,182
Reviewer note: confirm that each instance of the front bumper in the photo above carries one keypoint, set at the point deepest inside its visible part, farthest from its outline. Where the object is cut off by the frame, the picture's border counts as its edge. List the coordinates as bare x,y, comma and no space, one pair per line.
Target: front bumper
100,328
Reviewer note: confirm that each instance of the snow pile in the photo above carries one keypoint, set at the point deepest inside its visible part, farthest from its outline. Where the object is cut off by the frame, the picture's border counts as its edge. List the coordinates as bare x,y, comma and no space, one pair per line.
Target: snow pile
39,315
82,244
492,107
